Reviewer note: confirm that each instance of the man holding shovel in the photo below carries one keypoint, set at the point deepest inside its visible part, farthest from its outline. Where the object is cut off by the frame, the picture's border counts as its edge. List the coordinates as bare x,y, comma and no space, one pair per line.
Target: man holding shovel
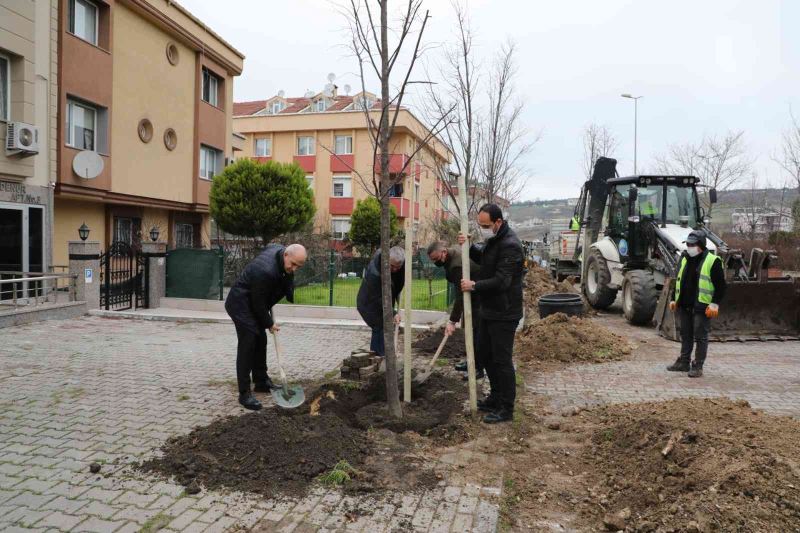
263,283
450,260
369,301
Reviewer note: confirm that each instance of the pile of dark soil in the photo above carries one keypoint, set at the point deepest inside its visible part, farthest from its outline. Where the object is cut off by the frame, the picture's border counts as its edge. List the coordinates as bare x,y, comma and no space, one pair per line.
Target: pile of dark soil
568,339
428,342
281,452
695,465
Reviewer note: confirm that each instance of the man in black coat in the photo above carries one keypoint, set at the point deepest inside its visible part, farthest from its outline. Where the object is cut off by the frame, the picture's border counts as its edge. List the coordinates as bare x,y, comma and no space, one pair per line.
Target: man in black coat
370,295
450,260
263,283
500,289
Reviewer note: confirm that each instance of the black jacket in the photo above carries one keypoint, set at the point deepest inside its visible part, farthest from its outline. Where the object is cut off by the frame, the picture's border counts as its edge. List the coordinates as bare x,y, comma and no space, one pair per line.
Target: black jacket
453,274
691,278
262,284
499,285
369,302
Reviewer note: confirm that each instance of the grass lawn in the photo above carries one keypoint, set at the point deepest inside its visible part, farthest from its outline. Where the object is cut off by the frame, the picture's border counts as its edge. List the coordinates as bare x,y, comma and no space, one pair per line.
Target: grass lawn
346,290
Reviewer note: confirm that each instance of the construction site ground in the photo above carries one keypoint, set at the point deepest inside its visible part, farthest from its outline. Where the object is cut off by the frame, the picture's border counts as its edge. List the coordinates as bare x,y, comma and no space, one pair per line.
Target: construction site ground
576,458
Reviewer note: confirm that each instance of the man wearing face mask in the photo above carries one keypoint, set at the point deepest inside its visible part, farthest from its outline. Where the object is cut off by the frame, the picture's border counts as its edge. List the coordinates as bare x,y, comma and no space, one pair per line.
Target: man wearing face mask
450,260
699,289
499,287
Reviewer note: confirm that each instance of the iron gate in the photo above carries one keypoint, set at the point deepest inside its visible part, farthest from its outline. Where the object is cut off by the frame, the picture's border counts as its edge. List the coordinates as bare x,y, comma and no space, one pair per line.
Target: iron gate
123,278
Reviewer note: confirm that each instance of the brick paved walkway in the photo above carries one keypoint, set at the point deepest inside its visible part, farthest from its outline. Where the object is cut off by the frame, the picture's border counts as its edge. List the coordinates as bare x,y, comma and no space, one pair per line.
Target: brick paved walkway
93,389
767,374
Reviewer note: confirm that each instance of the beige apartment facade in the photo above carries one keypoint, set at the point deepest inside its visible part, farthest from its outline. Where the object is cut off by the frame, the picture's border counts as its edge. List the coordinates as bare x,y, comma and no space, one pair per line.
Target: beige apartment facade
328,138
28,91
146,97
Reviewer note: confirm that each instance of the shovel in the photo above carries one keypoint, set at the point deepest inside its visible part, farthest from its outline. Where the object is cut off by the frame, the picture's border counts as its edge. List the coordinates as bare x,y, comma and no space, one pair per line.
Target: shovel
285,396
423,376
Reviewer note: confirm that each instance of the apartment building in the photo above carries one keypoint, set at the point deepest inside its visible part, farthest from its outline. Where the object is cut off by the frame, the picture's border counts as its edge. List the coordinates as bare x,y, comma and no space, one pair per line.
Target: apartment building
326,135
28,92
145,99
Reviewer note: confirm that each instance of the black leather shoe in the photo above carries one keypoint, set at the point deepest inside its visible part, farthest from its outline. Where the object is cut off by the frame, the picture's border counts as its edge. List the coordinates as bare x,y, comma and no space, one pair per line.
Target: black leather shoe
478,375
696,371
501,415
461,367
680,365
488,405
267,386
249,401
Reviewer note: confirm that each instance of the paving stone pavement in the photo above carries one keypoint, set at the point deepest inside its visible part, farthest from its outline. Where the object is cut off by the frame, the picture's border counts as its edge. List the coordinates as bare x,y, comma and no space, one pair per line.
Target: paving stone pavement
766,374
111,391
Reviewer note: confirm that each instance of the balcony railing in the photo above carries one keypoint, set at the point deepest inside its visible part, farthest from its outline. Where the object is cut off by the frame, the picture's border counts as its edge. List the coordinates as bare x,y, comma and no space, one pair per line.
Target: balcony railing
397,163
25,289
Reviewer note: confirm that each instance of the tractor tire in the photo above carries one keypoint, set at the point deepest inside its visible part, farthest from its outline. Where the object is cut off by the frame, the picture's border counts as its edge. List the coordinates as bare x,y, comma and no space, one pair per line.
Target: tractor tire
598,277
639,297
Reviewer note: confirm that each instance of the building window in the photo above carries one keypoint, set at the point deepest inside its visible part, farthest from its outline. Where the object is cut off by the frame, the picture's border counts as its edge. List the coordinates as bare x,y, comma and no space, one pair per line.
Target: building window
320,105
5,88
343,144
305,146
310,181
276,107
342,187
416,192
263,147
81,126
83,20
127,230
396,190
363,102
340,228
210,162
184,235
211,84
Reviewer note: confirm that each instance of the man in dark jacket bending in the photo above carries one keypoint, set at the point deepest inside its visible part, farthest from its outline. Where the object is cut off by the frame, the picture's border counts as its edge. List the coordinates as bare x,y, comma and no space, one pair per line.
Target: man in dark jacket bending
499,287
369,301
262,284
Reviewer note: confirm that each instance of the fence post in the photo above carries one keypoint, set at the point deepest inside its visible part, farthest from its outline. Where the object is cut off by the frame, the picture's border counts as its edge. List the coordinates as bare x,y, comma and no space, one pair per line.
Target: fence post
331,274
221,272
155,265
84,264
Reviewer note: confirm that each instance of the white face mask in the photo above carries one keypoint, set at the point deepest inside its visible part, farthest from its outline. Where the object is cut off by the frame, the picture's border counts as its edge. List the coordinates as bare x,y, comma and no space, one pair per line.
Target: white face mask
693,251
487,233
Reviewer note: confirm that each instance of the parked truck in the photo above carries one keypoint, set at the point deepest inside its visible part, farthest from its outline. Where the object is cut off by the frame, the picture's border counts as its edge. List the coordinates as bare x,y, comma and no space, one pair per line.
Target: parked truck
564,261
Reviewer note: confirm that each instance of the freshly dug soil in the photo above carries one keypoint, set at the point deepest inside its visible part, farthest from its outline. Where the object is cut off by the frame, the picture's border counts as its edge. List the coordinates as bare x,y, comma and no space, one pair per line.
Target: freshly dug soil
536,284
275,451
428,342
568,339
697,465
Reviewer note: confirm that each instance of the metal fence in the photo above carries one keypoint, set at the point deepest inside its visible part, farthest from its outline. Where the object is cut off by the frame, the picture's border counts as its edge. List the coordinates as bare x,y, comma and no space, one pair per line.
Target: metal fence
195,273
333,279
24,289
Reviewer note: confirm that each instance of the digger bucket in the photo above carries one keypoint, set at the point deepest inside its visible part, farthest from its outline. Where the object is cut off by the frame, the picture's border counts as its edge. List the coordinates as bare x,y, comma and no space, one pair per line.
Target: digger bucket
757,310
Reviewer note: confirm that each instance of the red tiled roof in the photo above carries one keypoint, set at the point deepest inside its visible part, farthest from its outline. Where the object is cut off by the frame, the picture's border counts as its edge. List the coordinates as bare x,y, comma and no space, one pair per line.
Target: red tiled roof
293,105
248,108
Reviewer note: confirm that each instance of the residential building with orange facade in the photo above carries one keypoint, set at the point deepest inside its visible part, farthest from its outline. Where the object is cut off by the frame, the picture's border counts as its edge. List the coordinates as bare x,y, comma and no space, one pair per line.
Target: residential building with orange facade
145,100
327,136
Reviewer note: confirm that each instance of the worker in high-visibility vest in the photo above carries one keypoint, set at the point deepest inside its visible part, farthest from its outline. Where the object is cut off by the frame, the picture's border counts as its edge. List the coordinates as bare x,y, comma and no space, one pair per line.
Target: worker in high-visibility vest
699,289
647,208
575,223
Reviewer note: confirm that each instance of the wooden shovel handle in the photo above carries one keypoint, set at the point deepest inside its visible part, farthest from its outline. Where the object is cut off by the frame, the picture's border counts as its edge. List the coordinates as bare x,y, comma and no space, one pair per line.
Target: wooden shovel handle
438,351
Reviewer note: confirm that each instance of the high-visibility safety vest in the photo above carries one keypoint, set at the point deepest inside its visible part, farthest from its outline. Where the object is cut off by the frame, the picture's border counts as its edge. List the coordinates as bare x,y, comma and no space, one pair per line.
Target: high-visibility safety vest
648,208
705,289
575,224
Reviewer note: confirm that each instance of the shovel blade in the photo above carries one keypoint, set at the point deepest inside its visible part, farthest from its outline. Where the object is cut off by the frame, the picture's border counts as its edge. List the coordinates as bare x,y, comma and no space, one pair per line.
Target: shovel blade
289,399
422,377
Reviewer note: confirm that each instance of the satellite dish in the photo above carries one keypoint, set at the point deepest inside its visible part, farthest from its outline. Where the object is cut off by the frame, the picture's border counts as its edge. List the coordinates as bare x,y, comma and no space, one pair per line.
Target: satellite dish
331,77
347,89
281,93
328,91
87,164
309,94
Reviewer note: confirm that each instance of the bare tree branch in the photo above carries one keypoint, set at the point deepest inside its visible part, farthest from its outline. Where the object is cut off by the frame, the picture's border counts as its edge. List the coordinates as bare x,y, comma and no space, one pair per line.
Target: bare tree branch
598,141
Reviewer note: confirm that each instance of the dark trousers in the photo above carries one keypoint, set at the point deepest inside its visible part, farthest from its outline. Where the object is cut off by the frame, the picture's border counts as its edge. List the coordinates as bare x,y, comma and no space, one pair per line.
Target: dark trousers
496,345
376,343
694,331
251,357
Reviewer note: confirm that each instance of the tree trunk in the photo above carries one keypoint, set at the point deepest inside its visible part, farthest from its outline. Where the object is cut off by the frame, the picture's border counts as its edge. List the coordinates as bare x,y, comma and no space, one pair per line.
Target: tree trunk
392,390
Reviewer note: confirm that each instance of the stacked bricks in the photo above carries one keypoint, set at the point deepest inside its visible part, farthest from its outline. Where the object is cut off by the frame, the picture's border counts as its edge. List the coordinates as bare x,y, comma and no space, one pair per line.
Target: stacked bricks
360,365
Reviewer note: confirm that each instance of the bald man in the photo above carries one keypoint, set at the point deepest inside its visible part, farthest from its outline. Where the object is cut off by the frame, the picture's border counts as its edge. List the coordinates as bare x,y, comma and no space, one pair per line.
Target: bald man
262,284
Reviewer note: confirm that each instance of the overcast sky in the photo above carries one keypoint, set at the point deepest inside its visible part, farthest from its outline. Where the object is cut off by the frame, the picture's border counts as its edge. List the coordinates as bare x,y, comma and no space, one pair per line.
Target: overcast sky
702,67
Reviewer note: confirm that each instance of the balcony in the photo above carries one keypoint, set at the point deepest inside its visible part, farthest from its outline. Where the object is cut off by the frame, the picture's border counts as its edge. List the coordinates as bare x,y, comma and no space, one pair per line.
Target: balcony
402,205
340,206
416,210
306,162
397,163
342,163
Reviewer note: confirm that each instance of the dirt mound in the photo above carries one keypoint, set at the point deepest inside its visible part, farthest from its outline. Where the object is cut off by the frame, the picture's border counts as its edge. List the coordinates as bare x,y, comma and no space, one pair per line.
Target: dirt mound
560,337
281,452
536,284
695,465
428,342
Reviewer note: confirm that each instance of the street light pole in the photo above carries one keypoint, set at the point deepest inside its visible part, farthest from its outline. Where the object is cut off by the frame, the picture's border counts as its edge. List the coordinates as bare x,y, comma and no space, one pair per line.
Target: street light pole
635,125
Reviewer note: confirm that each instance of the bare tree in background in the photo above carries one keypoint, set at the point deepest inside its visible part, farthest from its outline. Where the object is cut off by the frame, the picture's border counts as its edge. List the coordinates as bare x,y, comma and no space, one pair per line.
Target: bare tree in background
598,141
789,155
754,209
719,162
504,139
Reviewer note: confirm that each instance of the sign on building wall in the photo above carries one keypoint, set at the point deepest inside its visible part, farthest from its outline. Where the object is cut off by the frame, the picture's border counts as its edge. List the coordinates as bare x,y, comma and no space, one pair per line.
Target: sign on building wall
19,193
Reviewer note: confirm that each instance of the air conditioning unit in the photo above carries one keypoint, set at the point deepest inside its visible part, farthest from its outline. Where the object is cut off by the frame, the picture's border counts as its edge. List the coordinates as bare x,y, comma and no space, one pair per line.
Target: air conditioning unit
22,139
